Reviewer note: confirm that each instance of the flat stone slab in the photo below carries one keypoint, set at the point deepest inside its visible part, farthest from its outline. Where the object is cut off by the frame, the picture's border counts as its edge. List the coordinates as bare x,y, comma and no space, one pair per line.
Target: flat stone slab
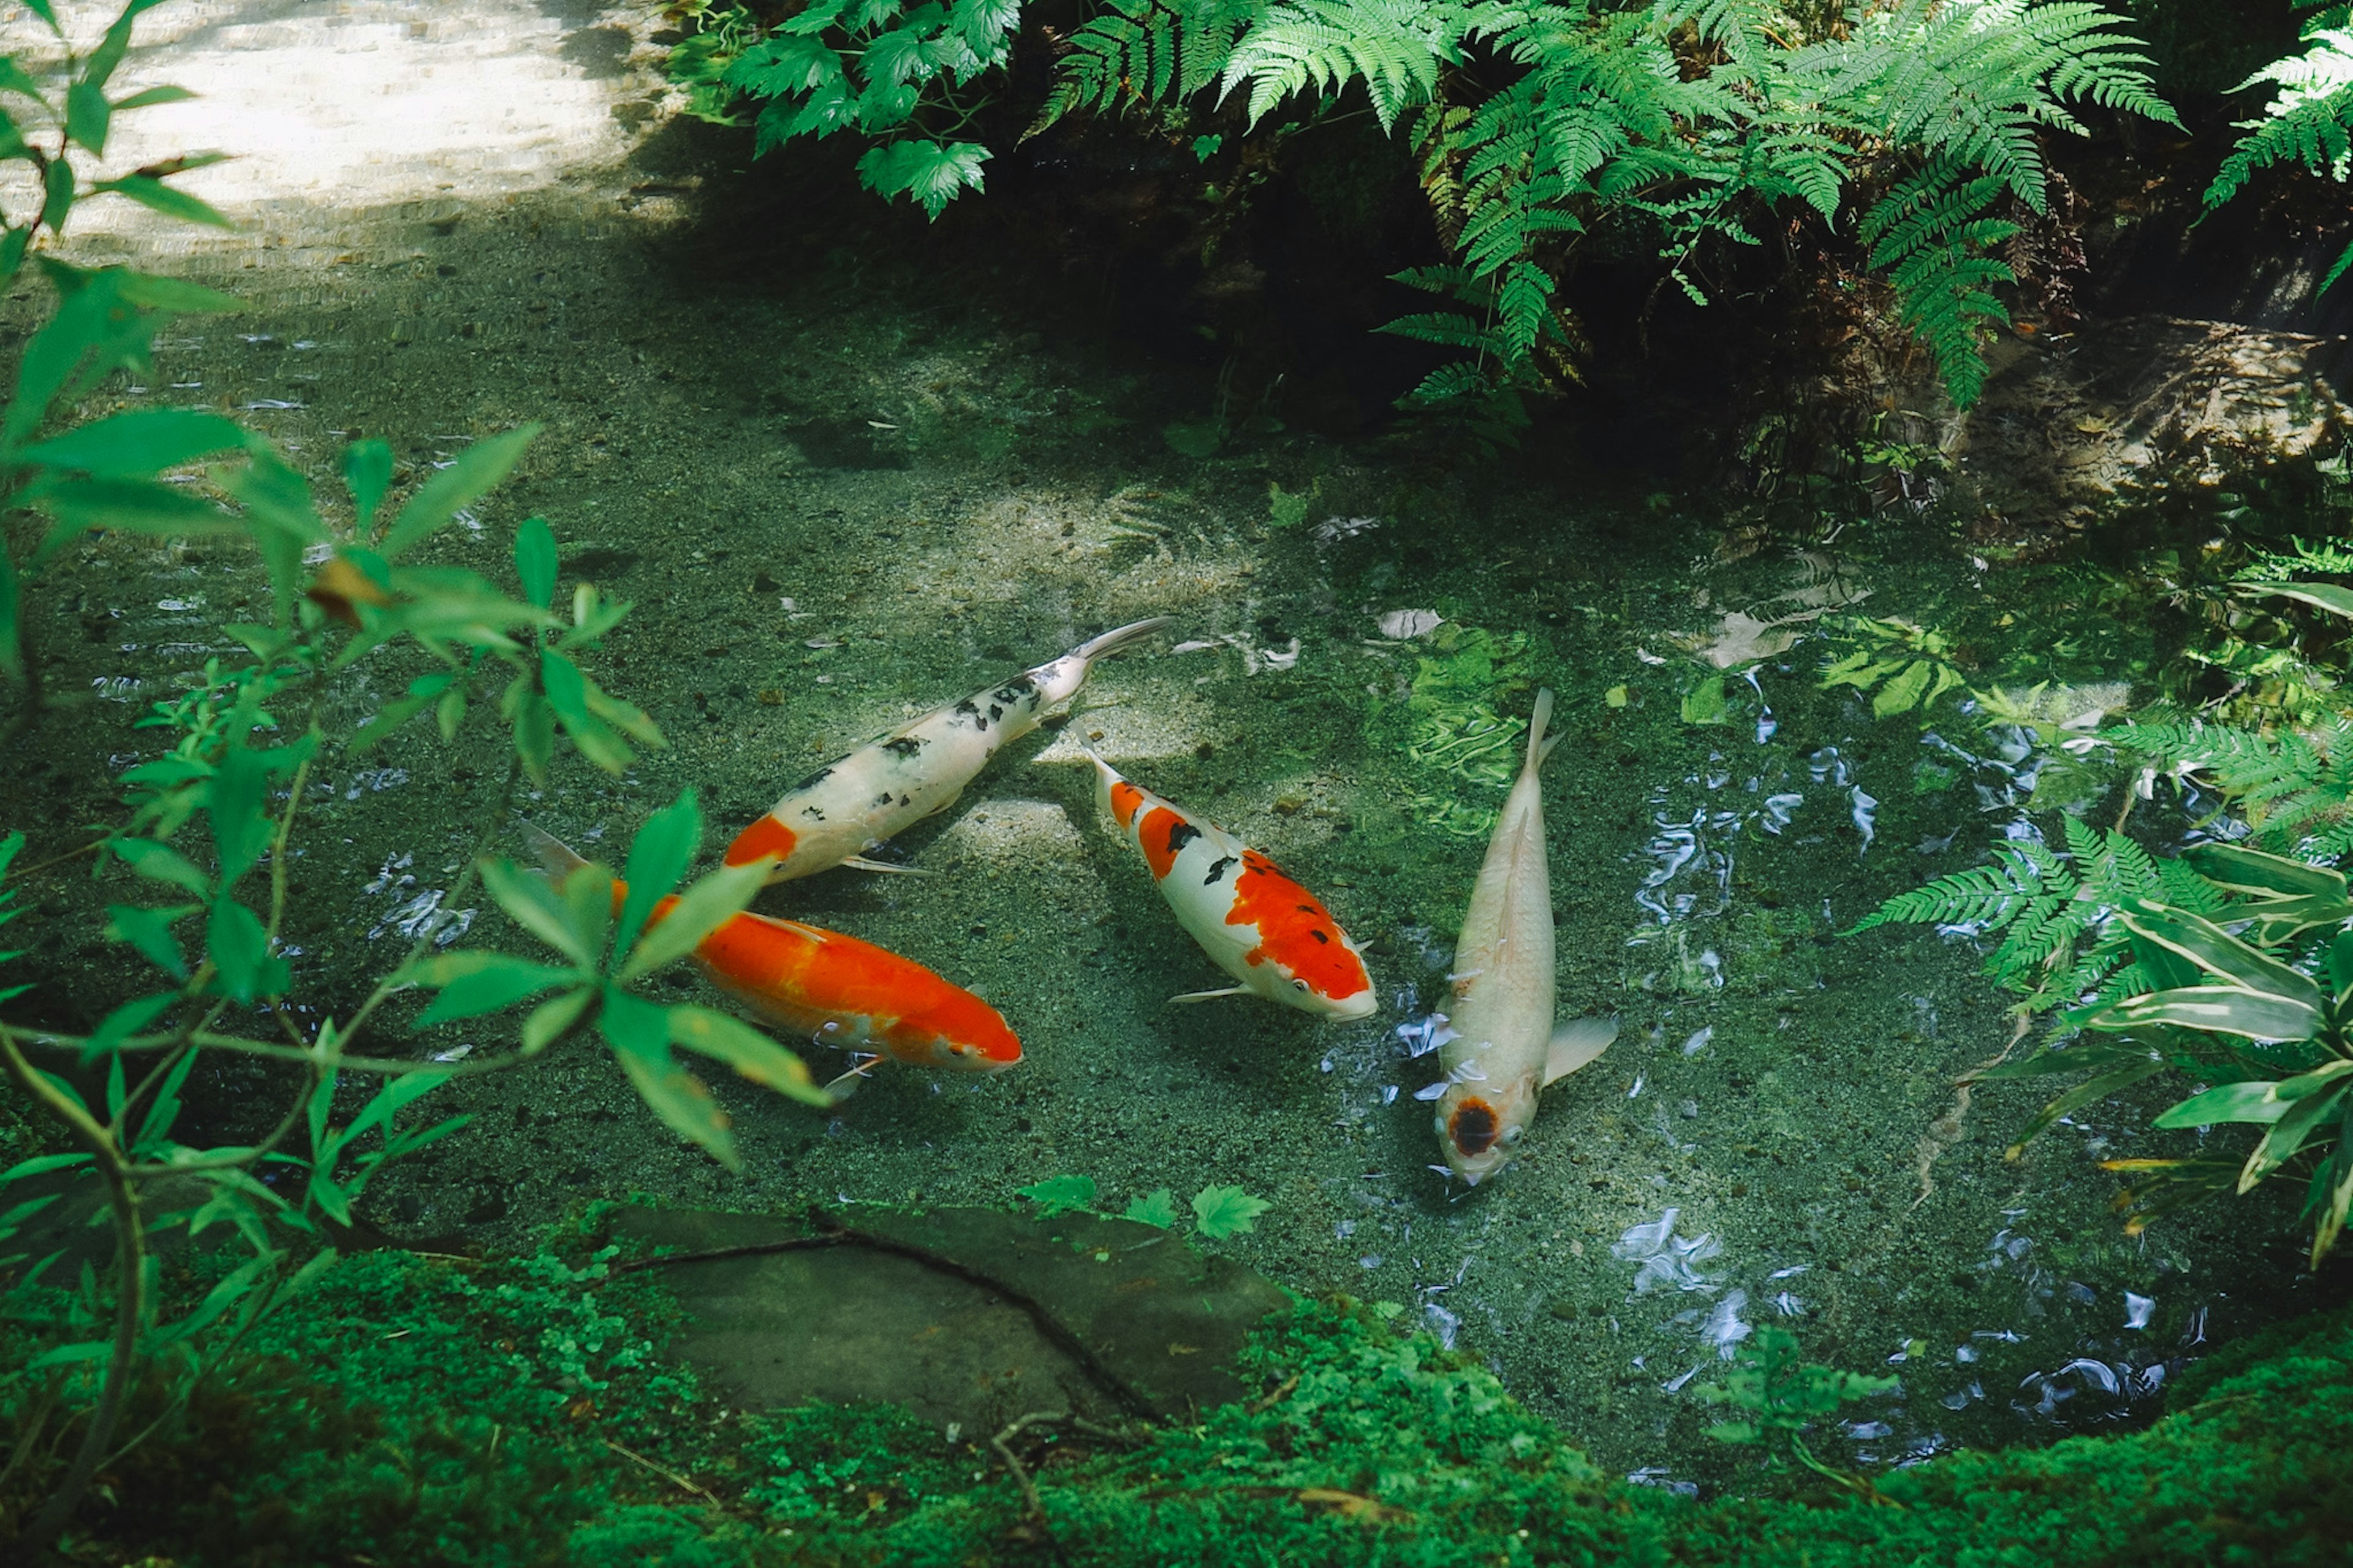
967,1315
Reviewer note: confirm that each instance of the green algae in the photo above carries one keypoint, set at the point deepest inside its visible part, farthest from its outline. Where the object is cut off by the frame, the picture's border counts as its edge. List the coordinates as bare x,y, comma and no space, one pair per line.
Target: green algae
416,1410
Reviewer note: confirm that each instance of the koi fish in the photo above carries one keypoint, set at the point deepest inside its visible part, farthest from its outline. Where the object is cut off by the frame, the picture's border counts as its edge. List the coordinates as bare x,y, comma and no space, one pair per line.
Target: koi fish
832,989
1255,924
855,802
1505,1049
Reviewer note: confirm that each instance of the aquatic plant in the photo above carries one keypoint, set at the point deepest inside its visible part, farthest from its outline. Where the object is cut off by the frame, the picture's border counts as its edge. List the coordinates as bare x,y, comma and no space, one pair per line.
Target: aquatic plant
1778,1396
1455,725
1904,668
1218,1212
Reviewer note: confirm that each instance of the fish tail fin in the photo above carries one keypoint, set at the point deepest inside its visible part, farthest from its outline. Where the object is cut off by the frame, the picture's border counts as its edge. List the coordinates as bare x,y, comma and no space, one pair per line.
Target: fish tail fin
555,858
1120,638
1540,747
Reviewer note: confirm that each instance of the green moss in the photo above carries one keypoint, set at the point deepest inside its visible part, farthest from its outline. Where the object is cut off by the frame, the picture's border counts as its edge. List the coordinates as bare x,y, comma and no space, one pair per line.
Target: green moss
418,1411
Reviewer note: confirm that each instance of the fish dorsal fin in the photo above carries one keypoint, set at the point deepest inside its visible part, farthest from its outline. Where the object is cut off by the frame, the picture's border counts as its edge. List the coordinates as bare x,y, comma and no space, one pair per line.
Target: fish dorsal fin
1575,1043
814,934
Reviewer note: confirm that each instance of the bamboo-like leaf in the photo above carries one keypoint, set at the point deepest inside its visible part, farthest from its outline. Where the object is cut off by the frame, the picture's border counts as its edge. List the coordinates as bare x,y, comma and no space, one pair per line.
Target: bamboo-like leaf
137,444
478,469
2220,1009
2323,595
703,907
534,905
2084,1094
535,563
2212,949
2289,1132
493,983
2226,1102
551,1018
639,1032
2252,871
658,856
747,1050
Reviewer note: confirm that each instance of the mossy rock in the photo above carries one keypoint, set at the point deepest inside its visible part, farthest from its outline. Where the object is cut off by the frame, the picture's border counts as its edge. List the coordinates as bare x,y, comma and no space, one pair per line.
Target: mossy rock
971,1316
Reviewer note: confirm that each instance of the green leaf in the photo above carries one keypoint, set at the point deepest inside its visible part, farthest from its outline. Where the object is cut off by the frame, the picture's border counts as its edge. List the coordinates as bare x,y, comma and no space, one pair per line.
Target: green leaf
534,733
88,115
124,1022
1902,693
534,556
1060,1194
551,1018
2325,596
478,469
2212,949
169,200
532,904
149,858
2228,1102
164,1110
2084,1094
1222,1212
367,474
2287,1135
40,1164
148,98
711,903
1158,1208
138,445
475,983
148,931
239,946
2252,871
747,1050
658,856
638,1033
1705,704
931,173
134,506
2218,1009
235,801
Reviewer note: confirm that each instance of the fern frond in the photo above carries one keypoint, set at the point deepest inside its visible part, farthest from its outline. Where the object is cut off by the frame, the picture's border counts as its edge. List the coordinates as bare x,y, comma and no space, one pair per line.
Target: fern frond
1985,898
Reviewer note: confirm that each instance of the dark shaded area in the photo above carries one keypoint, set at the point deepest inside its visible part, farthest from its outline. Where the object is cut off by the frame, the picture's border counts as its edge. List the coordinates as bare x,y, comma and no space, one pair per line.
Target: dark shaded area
966,1315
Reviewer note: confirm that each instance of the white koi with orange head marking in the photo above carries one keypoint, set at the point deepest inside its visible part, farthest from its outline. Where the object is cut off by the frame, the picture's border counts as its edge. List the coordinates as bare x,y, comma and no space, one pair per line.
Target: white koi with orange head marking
855,802
1258,925
1505,1049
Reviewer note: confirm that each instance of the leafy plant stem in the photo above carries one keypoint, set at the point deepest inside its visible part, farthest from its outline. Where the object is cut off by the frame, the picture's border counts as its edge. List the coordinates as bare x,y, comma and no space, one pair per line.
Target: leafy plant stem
131,1272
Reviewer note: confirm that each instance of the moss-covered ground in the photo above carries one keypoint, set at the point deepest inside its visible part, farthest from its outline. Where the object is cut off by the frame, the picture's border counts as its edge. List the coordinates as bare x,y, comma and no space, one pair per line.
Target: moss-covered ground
419,1411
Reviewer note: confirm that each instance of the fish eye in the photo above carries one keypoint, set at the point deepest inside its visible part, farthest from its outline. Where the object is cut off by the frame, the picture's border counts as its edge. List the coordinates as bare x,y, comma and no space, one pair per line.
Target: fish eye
1300,985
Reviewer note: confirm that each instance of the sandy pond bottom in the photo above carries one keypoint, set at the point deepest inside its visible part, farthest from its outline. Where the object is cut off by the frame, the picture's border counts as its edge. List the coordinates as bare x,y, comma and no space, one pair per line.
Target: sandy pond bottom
833,509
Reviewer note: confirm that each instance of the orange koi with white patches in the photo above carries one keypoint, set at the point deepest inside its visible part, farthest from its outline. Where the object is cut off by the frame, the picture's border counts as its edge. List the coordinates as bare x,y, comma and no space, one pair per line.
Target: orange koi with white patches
833,989
855,802
1258,925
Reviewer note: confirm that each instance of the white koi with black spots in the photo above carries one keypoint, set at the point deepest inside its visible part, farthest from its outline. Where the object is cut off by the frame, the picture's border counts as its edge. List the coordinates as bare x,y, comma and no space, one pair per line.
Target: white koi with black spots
855,802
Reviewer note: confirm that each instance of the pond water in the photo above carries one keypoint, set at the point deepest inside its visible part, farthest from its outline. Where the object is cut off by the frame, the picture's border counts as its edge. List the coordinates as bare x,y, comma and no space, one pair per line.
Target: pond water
837,495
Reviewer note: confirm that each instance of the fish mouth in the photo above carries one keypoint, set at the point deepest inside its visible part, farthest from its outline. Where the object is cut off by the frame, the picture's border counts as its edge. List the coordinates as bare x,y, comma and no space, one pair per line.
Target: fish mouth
1362,1004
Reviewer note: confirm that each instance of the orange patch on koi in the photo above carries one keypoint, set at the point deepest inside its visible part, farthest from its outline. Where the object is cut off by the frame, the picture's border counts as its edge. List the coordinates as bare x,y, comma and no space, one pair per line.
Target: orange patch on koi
764,839
1162,836
1294,929
1124,800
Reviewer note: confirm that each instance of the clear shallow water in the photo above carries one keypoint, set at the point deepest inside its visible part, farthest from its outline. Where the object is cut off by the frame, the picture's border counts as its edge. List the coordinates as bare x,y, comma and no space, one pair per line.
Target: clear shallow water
832,512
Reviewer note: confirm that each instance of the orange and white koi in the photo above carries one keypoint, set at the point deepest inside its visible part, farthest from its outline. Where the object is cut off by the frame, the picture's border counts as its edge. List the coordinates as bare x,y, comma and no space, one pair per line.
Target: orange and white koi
1255,924
855,802
1504,1049
832,989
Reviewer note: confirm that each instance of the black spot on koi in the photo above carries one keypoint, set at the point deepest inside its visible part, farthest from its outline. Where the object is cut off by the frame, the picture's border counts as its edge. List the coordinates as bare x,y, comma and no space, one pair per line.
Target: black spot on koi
1013,690
811,782
1180,834
1474,1127
905,746
1218,871
882,799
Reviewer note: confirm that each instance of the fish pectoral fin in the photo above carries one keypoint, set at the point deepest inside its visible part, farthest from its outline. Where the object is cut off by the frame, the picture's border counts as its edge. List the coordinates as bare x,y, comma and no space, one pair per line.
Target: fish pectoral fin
1210,995
1575,1043
861,863
842,1088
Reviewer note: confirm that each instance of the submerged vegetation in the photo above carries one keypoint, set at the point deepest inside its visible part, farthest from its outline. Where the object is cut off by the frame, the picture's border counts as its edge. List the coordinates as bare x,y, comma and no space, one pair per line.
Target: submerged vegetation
213,1350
